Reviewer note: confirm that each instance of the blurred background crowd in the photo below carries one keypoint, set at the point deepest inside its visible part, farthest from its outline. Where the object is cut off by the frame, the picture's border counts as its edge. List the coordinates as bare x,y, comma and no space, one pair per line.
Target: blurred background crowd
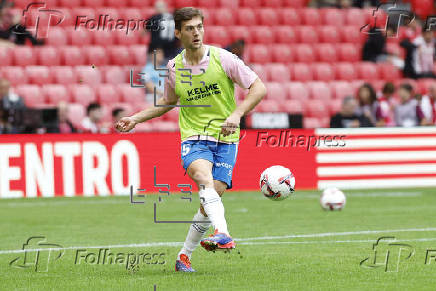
339,63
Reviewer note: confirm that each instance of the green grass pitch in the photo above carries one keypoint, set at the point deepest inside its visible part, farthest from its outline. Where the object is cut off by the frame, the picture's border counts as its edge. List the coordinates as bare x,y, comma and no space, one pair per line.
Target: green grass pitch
287,245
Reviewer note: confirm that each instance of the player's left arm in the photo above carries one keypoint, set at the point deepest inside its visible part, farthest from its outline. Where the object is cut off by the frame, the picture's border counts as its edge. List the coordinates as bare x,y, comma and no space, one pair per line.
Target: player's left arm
245,78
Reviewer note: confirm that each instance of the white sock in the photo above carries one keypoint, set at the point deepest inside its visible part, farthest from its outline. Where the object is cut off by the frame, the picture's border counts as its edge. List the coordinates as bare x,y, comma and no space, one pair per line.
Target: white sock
214,208
195,234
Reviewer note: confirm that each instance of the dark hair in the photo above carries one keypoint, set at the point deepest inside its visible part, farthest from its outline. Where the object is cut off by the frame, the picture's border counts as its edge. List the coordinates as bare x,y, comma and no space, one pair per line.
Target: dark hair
185,14
372,94
92,106
407,87
116,111
388,88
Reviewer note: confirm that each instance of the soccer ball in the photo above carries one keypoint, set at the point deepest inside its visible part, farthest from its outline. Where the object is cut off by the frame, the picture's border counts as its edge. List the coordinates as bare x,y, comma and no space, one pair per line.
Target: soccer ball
332,199
277,183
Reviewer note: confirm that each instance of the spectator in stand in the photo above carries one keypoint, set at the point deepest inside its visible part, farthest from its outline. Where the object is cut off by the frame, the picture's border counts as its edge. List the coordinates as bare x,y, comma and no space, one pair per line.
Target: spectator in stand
92,122
428,105
374,49
117,114
8,99
5,126
385,106
151,77
420,53
11,31
161,26
237,48
348,118
367,98
65,125
408,113
363,3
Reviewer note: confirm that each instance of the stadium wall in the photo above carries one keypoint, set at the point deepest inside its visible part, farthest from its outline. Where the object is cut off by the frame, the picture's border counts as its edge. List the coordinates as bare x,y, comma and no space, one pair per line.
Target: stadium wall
100,165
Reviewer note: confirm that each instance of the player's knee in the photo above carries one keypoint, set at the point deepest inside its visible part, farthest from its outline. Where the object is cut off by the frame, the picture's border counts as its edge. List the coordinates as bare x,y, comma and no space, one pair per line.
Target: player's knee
202,178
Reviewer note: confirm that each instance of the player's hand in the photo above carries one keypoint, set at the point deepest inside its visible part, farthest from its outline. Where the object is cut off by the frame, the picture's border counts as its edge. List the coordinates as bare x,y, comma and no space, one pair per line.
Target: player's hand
125,124
230,125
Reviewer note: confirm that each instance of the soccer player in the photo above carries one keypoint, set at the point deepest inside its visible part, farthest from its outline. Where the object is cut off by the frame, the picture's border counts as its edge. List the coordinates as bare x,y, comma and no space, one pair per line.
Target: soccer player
209,135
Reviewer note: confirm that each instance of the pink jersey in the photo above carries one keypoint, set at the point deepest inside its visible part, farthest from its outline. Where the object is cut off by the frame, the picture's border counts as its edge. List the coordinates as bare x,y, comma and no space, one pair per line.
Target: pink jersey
234,67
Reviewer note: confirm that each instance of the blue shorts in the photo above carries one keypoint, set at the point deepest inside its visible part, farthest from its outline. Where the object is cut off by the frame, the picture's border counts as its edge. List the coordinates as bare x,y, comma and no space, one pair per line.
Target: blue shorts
221,155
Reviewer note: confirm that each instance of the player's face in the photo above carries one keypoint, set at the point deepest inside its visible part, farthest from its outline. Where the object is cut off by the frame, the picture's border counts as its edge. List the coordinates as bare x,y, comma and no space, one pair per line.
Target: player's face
191,34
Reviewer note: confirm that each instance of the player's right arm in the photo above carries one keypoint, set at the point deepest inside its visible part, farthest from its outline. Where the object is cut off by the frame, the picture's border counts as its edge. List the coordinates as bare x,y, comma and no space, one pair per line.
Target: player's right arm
126,124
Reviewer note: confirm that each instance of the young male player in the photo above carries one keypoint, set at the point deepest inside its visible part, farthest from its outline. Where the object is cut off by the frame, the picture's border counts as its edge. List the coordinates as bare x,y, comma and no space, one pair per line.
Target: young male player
209,135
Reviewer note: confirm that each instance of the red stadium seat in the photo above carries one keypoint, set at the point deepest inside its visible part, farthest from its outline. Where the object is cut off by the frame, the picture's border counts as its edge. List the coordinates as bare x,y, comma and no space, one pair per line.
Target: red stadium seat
172,115
272,3
31,94
107,93
147,12
295,106
311,122
297,90
352,34
310,16
224,17
217,34
48,56
95,55
270,106
335,106
63,75
57,37
389,72
72,56
146,3
278,73
260,71
69,3
328,34
79,37
275,91
250,3
268,17
332,16
82,94
6,55
139,54
130,13
38,75
23,56
119,55
208,17
111,12
285,34
262,34
295,3
103,37
184,3
323,72
320,91
395,49
307,34
208,3
423,7
76,113
424,85
132,38
246,16
115,75
131,95
81,15
349,52
355,17
116,3
88,75
340,89
326,53
15,75
345,71
229,4
289,17
318,108
259,54
304,53
56,93
282,53
239,32
367,71
301,72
